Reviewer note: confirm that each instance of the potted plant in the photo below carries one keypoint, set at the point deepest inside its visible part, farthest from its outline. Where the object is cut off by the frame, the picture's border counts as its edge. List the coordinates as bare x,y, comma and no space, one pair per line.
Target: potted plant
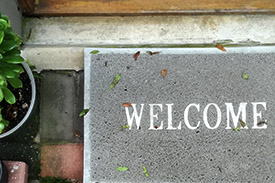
17,85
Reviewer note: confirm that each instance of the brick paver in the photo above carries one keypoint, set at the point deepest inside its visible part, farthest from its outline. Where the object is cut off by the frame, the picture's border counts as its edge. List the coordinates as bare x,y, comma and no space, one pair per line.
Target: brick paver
17,170
65,161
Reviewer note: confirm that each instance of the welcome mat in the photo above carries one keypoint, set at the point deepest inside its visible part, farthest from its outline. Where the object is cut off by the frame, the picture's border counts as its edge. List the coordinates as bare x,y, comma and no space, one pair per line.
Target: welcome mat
179,115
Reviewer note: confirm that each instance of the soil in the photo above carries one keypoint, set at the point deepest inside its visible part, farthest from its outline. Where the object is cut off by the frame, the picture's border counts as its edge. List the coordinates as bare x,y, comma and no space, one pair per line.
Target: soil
14,113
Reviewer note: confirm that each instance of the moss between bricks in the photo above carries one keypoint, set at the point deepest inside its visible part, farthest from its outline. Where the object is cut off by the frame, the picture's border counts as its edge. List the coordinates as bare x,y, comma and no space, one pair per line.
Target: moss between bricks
49,179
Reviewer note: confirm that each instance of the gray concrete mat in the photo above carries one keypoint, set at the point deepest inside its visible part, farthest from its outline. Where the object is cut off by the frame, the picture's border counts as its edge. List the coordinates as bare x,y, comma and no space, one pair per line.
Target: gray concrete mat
200,76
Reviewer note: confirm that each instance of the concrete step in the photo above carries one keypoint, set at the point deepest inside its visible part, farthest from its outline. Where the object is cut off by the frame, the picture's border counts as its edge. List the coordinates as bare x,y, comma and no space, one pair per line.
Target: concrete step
136,30
47,41
186,131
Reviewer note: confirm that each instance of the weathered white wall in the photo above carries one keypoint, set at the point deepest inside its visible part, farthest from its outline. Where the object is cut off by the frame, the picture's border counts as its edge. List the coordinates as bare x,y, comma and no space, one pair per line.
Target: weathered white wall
57,43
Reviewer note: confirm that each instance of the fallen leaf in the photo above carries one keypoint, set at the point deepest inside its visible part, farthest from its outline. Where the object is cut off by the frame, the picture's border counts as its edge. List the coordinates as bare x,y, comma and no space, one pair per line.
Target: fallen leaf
29,35
115,81
128,104
136,55
244,75
261,123
145,171
242,123
38,76
122,168
77,134
152,53
149,52
84,112
163,73
124,126
220,47
94,52
32,67
237,128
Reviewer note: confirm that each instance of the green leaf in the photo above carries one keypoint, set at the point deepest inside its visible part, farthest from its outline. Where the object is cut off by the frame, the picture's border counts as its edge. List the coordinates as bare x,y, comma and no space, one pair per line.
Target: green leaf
145,171
13,59
8,73
115,81
242,123
3,25
13,52
244,75
237,128
8,95
2,34
84,112
10,35
94,52
15,82
1,95
1,56
6,18
124,126
5,122
8,45
3,81
2,126
122,168
13,67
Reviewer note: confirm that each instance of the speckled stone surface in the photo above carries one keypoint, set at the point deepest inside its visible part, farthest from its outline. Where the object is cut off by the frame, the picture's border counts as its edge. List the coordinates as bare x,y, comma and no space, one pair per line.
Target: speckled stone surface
201,155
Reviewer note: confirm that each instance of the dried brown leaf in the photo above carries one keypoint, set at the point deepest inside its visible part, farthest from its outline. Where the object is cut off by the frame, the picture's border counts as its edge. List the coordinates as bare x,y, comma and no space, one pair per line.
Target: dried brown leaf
77,134
243,124
261,123
152,53
163,73
220,47
128,104
136,55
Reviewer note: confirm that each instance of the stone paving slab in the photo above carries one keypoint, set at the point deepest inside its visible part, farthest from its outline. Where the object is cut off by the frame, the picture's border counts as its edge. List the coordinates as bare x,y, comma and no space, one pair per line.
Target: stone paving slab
206,77
61,102
65,161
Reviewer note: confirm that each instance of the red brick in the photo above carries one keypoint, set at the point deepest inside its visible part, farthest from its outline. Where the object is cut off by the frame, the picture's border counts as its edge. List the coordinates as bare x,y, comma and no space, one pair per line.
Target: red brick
65,161
18,171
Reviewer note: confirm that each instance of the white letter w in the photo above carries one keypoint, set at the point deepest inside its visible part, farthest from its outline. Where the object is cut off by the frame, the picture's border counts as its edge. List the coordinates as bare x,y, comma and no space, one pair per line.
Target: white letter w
134,115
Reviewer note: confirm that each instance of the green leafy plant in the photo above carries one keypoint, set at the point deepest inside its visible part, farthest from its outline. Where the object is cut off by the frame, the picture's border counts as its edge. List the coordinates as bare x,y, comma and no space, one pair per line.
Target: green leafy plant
10,64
